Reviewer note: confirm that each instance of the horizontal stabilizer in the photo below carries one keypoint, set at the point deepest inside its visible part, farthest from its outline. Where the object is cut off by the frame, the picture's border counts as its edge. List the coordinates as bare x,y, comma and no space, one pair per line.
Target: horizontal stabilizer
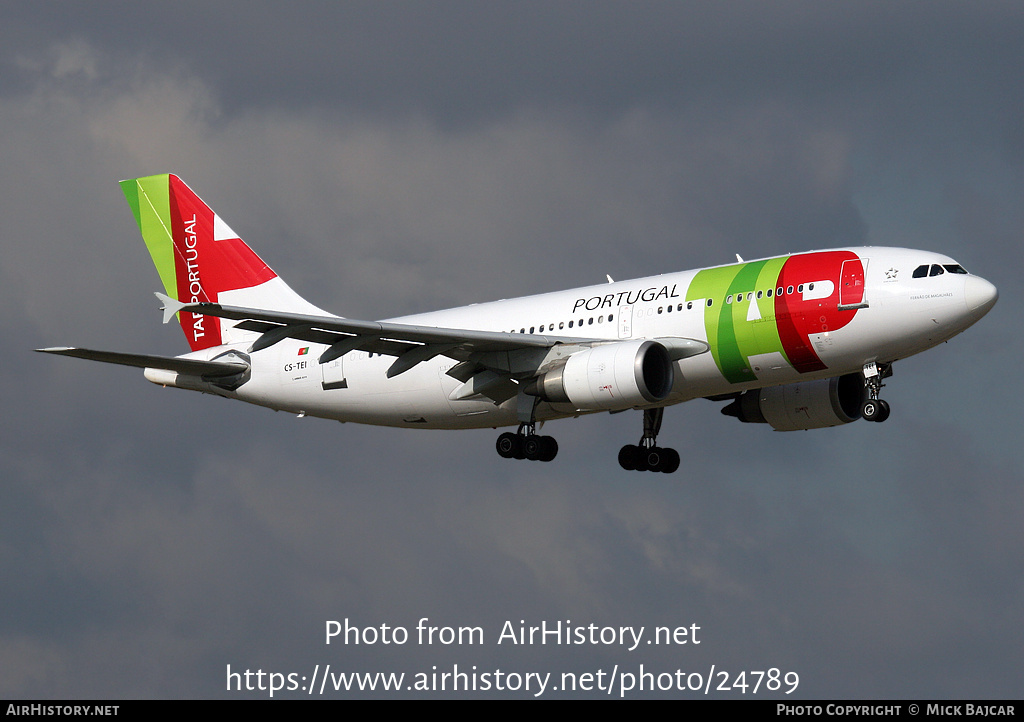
170,306
189,367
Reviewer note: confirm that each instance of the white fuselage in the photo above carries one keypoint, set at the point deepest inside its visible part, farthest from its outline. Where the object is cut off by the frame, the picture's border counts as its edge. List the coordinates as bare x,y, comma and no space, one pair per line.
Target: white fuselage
896,315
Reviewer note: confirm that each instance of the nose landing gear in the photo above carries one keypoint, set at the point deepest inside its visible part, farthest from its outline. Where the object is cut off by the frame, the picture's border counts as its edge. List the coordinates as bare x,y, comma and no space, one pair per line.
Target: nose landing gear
874,408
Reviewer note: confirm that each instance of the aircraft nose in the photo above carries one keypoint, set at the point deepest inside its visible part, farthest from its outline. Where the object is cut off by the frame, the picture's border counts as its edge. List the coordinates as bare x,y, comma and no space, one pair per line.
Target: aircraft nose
980,295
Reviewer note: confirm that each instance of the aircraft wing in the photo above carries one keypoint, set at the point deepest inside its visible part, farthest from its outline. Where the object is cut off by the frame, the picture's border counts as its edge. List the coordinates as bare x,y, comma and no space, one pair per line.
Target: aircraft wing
190,367
278,325
489,360
345,334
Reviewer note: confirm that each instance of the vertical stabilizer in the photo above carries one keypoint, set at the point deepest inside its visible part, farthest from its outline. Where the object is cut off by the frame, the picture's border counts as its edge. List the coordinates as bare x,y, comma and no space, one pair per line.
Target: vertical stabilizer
199,258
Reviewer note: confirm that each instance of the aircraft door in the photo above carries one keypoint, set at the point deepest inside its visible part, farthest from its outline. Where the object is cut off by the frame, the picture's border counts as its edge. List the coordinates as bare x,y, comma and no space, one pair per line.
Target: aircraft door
334,374
852,293
625,321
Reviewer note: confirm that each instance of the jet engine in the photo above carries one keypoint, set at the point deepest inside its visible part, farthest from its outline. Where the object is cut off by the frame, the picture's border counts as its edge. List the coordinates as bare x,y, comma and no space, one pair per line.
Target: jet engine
611,376
805,405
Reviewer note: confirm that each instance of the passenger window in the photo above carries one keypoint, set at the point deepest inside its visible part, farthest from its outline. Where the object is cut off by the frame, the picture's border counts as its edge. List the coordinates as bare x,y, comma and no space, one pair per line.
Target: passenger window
689,305
561,325
570,324
610,317
710,302
789,290
759,294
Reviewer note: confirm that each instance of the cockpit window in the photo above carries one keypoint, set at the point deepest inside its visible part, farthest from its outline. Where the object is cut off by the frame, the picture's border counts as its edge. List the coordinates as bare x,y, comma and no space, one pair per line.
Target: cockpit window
937,270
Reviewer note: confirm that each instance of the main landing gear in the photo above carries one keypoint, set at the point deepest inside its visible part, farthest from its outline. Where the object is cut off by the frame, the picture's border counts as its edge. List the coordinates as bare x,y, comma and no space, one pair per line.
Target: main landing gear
874,408
525,444
647,455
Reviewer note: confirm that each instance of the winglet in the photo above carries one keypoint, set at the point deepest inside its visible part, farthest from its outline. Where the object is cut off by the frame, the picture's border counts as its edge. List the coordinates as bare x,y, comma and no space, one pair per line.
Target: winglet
170,306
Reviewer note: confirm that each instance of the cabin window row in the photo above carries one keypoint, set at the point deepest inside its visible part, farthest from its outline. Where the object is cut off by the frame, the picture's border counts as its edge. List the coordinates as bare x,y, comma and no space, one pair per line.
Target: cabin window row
562,324
780,291
749,295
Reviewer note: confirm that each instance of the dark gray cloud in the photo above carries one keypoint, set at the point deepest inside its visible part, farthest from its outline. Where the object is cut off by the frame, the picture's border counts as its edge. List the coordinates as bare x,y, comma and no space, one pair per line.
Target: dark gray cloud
460,61
394,158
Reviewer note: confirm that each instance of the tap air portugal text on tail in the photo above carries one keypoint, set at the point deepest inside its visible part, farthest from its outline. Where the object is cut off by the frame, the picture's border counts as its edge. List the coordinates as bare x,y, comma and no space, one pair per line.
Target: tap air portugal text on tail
801,341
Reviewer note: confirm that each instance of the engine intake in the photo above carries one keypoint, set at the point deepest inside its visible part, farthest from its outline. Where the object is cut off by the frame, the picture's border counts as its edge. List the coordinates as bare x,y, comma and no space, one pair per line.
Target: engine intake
611,376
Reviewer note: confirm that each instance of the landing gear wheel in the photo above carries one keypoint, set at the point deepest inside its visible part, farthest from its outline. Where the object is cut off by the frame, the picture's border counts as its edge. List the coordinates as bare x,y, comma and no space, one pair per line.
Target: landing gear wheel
654,458
875,410
627,457
549,448
640,460
540,448
532,447
507,445
670,461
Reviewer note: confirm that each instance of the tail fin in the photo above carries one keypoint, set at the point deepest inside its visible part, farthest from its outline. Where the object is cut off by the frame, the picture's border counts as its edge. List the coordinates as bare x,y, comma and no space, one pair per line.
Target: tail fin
199,258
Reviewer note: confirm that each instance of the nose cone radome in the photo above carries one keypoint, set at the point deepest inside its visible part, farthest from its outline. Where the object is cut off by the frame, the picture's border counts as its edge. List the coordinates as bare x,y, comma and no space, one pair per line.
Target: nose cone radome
980,295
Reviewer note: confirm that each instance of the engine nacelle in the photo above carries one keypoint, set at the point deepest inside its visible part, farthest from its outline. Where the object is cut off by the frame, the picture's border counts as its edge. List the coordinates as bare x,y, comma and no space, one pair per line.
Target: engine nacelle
611,376
805,405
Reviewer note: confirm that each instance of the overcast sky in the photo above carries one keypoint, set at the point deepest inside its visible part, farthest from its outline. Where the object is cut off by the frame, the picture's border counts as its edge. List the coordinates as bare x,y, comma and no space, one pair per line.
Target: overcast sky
391,158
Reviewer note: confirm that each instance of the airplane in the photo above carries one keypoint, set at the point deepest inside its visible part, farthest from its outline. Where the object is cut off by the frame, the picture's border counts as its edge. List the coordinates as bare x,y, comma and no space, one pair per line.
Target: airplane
801,341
